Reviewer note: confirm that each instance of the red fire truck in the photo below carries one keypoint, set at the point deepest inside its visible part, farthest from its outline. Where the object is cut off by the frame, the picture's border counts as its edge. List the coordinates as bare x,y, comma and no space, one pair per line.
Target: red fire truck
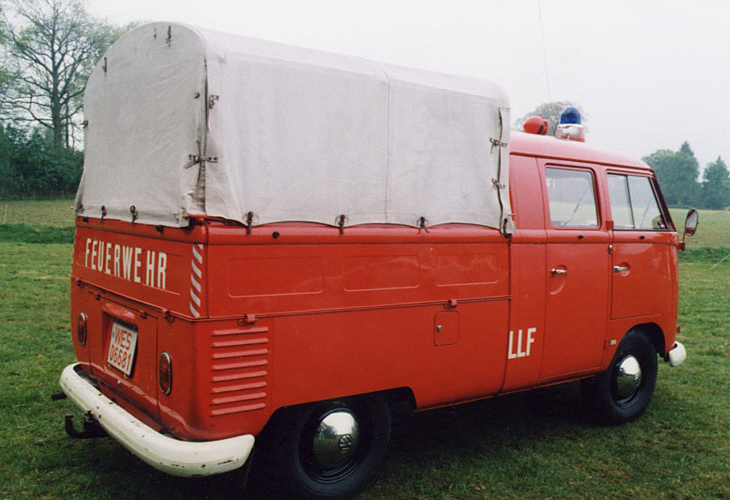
274,245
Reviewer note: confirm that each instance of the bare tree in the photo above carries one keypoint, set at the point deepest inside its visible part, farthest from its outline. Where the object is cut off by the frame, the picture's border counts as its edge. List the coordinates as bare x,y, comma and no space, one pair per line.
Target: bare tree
52,45
6,74
7,81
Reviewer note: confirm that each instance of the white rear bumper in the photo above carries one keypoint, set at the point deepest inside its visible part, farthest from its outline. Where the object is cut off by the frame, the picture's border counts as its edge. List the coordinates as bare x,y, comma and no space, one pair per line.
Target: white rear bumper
179,458
677,355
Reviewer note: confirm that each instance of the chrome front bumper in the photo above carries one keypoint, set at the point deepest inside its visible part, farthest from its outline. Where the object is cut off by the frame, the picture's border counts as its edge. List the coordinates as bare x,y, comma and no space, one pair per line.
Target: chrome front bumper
677,355
179,458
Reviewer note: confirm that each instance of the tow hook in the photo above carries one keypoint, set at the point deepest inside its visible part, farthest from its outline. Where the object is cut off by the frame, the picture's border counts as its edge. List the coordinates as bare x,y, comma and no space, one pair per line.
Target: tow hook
90,429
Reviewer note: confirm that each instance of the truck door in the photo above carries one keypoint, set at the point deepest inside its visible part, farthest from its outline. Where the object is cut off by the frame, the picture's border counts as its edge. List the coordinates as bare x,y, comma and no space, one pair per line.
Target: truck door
577,272
643,278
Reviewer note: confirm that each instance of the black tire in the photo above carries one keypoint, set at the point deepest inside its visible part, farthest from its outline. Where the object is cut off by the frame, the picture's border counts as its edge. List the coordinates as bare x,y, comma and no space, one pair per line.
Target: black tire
615,395
291,465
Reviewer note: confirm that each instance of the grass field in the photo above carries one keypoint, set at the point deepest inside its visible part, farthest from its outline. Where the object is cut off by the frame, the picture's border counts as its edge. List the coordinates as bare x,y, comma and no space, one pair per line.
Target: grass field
56,213
534,445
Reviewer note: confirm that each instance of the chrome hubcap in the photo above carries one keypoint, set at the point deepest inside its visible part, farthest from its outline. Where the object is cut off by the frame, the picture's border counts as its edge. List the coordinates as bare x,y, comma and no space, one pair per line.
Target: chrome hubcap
336,439
628,377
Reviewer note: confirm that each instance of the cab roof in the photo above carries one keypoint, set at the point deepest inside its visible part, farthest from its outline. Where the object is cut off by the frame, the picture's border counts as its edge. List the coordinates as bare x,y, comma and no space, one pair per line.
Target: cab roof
550,147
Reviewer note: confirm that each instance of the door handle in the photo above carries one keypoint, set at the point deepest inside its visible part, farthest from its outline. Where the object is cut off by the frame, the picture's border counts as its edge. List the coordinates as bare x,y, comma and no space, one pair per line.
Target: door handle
559,271
620,269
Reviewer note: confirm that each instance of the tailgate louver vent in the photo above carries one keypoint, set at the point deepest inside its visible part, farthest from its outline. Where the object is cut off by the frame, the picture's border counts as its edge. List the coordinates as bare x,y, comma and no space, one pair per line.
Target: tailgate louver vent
240,370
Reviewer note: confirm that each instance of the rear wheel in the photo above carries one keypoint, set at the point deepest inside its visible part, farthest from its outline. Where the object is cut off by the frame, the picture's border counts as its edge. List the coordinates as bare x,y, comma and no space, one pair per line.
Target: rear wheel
624,390
327,450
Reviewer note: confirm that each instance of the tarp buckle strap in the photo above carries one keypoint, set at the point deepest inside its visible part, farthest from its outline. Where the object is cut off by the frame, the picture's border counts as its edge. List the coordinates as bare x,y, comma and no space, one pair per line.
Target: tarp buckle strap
249,222
103,213
133,211
212,98
422,224
505,227
497,185
497,143
197,159
341,223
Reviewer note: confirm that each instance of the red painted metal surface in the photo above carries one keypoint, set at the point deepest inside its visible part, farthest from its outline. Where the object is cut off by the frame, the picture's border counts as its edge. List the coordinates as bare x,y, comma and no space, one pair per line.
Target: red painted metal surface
293,313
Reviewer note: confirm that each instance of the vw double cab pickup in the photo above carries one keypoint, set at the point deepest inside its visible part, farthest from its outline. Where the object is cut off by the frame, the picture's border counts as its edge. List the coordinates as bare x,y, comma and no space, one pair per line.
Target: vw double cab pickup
274,245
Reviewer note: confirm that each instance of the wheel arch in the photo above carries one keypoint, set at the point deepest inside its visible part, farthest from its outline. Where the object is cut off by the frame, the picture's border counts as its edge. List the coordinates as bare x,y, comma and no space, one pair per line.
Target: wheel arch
402,398
655,334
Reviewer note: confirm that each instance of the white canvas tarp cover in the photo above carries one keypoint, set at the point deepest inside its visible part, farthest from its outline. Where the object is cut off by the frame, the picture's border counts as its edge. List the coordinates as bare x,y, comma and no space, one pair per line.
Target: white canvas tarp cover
183,121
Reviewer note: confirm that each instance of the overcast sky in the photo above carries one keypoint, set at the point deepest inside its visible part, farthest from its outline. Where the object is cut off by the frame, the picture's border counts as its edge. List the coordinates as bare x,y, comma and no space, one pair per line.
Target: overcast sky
649,74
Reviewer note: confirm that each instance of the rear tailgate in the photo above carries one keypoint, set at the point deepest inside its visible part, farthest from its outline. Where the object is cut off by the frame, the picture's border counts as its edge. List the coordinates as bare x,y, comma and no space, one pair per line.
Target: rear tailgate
127,278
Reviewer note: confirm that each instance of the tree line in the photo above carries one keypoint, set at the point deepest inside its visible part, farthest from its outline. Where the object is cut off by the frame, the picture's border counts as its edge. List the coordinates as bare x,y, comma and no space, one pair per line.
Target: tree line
47,51
678,174
678,171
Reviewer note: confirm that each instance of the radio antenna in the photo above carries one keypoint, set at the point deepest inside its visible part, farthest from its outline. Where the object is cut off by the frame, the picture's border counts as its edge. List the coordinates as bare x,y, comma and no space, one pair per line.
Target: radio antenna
544,51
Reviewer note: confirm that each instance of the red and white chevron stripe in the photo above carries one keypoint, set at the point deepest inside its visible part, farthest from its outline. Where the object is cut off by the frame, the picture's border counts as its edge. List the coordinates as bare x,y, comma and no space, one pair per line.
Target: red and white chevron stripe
196,280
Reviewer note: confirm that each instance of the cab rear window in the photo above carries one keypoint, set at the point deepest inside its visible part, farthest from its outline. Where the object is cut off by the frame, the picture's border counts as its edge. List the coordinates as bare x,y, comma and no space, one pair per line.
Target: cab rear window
572,197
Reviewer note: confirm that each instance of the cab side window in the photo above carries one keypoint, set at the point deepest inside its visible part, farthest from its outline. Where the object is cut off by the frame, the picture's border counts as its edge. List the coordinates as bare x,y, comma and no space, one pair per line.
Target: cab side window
571,197
633,203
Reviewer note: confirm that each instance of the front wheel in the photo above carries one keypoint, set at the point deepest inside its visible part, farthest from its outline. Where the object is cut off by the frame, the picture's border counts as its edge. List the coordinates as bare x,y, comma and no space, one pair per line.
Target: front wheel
327,450
624,390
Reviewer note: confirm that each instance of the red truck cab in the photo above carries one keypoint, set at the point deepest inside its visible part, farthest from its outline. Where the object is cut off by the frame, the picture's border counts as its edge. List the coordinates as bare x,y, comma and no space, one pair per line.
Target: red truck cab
207,329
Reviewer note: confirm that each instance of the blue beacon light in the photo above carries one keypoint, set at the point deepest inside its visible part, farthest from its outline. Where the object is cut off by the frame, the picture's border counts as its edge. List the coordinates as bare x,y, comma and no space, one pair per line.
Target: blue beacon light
570,116
570,128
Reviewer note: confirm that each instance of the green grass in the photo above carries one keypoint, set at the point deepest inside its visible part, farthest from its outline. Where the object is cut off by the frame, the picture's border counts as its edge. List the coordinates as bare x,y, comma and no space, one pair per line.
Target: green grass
37,221
27,233
55,213
534,445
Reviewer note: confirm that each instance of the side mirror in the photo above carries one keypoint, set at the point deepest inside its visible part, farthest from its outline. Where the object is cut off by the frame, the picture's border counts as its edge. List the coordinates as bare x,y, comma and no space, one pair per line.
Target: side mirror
690,223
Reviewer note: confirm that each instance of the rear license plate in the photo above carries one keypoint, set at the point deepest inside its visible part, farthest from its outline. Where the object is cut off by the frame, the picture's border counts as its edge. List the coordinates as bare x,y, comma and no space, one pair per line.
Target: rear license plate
122,347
